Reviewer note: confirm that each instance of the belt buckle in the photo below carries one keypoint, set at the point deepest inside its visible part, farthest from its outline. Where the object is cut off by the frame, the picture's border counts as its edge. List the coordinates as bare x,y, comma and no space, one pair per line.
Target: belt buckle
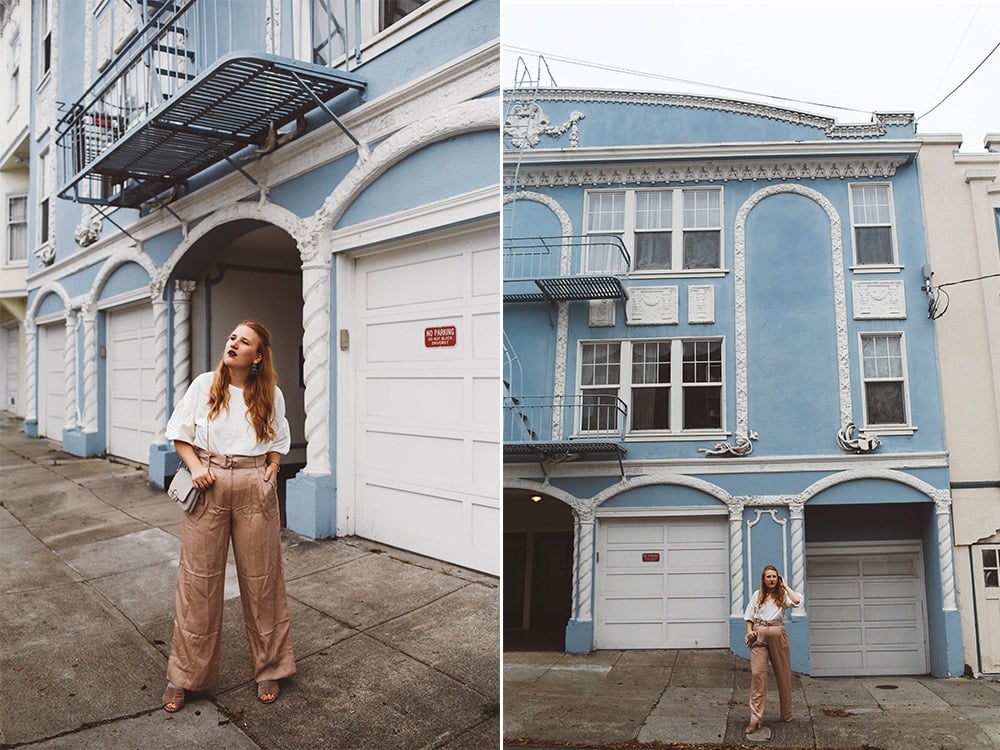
229,461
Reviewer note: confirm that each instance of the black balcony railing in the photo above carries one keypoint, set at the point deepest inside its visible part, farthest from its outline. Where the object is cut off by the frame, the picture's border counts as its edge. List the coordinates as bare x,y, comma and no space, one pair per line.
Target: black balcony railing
198,82
558,426
563,268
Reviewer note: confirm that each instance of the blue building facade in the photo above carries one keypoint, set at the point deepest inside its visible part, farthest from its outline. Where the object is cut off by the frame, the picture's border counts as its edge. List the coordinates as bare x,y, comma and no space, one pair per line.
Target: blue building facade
718,356
201,162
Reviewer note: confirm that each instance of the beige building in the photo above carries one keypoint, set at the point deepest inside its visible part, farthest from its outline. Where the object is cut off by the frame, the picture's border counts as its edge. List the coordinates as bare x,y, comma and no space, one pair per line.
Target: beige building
961,193
15,51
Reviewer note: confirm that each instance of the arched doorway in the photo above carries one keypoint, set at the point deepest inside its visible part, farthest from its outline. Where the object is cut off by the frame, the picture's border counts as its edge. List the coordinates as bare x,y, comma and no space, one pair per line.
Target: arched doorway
250,269
537,570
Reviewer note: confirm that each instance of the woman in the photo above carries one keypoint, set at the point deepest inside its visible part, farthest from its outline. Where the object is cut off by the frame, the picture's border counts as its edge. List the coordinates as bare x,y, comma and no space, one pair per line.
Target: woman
767,639
230,430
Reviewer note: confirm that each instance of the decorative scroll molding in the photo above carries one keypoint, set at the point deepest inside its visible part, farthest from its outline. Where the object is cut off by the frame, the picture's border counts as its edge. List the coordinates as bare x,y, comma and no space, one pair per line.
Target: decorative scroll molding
839,295
736,559
879,300
735,170
652,305
701,303
526,123
863,443
743,447
30,371
560,365
946,548
160,358
798,554
877,127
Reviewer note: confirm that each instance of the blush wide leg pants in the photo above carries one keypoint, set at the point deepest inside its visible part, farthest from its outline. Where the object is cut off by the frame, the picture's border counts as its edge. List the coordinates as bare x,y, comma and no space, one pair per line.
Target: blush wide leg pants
771,643
243,507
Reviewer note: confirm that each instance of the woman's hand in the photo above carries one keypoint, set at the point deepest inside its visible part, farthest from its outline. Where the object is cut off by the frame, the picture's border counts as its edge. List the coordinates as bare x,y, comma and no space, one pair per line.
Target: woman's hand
751,637
202,477
270,471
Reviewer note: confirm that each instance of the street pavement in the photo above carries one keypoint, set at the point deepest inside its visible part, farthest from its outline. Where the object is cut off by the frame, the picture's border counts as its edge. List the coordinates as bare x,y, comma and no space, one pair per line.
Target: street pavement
393,650
699,698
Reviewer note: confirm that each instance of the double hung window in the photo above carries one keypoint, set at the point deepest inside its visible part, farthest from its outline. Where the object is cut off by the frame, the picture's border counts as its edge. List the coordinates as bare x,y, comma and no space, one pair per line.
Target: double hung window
337,29
45,199
17,229
665,230
884,377
871,218
668,385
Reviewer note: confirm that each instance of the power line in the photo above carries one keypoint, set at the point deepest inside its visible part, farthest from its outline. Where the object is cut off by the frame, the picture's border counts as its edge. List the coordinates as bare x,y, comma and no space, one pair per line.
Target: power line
982,62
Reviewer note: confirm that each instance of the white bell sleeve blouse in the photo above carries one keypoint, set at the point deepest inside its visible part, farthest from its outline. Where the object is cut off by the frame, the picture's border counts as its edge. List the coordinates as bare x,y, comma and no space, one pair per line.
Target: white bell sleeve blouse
231,433
770,610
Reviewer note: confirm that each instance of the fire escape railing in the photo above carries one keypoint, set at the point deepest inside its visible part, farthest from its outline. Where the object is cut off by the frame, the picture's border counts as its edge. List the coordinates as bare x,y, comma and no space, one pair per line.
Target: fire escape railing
563,268
170,53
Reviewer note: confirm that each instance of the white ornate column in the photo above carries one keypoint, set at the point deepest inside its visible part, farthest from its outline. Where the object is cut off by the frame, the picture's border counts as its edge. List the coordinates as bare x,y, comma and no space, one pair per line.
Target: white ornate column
946,548
160,328
183,290
70,369
30,370
736,559
583,570
795,510
316,353
89,315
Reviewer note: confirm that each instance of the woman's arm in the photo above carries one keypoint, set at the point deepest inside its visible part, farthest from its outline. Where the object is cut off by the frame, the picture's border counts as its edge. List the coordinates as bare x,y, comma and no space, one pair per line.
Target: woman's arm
792,596
272,465
201,476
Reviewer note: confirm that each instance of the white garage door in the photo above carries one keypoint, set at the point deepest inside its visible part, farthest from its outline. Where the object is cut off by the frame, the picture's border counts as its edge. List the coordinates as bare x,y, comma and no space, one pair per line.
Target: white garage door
51,342
427,409
866,612
9,336
662,583
131,383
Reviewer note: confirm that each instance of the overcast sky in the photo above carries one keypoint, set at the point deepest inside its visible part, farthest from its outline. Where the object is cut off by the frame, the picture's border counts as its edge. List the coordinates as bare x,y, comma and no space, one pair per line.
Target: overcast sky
851,56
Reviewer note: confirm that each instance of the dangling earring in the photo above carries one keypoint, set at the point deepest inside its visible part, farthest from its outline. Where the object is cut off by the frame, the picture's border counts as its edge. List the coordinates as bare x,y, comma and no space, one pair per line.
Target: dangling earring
254,370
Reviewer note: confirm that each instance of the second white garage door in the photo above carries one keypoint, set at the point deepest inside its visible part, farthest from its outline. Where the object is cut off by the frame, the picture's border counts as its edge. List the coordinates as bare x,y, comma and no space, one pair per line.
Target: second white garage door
131,383
866,611
662,583
51,380
427,411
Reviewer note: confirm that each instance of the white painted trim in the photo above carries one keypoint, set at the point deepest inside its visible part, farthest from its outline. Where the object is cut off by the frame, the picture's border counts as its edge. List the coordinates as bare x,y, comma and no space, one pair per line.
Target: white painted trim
866,548
424,218
663,511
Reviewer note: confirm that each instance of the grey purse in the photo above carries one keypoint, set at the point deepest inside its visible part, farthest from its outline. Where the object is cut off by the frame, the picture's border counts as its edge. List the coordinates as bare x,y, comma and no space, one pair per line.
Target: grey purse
182,489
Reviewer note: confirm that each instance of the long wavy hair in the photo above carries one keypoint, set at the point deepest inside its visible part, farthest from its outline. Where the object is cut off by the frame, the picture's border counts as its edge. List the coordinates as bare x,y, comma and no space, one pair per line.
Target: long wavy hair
775,595
258,393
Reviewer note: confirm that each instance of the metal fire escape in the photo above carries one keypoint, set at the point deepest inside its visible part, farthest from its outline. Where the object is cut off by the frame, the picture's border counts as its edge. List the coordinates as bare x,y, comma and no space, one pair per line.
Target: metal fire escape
185,94
558,269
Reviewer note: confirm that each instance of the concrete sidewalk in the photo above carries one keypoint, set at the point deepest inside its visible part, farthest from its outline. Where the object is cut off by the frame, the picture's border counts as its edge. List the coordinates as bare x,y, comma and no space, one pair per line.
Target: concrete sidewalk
393,650
632,699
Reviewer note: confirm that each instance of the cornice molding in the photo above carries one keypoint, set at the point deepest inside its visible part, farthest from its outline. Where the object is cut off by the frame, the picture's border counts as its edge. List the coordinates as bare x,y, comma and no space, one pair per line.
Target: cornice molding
877,127
733,170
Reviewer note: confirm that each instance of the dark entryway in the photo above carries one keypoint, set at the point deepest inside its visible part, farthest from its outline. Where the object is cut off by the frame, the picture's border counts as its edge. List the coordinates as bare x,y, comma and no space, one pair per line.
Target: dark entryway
537,571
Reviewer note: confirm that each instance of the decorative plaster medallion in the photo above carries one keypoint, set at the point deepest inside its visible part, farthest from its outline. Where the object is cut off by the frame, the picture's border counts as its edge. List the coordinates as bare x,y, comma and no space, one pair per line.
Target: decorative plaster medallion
602,313
879,300
652,305
701,303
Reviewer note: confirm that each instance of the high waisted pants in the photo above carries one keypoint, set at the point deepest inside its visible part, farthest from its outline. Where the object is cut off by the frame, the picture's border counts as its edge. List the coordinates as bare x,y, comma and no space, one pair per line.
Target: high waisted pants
240,505
772,642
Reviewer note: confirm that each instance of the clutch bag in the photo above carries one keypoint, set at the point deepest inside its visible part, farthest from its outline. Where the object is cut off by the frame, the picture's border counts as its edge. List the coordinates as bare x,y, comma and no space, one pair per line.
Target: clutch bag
182,489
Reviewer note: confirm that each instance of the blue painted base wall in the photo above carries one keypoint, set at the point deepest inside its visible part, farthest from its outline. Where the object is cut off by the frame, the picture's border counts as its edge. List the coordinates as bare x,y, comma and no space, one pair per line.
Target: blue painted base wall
163,462
579,637
76,442
311,505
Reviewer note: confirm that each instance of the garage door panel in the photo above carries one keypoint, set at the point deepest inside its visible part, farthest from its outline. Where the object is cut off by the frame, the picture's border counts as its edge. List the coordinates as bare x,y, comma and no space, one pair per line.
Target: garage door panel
822,637
428,460
871,622
416,281
639,585
131,374
677,597
821,590
426,401
891,612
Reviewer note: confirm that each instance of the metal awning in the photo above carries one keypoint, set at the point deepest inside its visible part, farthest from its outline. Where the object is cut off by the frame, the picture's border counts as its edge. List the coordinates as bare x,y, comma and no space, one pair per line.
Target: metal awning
557,449
229,106
565,289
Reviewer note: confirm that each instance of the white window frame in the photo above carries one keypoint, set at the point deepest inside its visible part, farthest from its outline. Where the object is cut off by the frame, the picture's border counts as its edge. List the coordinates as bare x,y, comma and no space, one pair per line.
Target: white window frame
373,41
629,229
45,38
677,386
44,216
8,228
893,428
14,69
856,222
